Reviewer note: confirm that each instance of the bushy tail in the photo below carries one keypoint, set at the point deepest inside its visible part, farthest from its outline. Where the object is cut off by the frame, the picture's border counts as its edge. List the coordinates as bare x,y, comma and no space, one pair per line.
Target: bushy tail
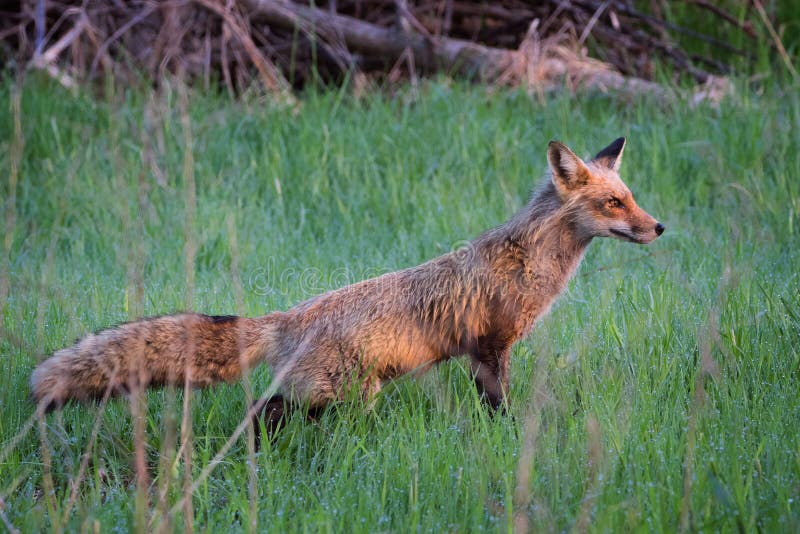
163,350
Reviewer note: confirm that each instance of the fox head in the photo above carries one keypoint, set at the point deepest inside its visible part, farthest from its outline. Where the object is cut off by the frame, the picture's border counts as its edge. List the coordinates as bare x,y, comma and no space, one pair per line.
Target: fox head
602,204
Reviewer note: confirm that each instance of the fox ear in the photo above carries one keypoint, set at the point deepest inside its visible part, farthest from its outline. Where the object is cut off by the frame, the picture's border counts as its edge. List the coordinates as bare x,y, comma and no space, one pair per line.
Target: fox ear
611,156
569,171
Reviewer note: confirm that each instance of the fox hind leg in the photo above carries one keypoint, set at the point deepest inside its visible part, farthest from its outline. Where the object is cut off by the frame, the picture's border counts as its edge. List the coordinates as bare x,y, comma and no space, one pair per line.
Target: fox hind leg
275,412
271,411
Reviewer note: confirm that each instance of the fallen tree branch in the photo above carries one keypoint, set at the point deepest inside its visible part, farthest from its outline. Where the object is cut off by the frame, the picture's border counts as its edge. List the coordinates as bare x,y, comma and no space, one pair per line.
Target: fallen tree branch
432,52
436,53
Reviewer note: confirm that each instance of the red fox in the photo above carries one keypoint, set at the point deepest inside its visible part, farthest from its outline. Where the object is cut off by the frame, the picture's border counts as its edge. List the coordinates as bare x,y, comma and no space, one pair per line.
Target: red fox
477,301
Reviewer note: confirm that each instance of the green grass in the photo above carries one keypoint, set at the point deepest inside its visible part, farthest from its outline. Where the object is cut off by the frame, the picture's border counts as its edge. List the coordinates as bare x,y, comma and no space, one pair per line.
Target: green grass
608,425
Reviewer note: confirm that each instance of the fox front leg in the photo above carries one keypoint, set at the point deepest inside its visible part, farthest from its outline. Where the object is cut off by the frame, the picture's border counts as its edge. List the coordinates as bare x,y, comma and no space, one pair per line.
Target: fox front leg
490,370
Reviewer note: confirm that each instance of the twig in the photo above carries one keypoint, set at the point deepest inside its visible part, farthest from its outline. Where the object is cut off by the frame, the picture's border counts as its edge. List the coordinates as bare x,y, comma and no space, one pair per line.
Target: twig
40,22
707,338
270,75
133,21
592,21
190,201
41,60
676,55
223,451
135,288
493,11
523,489
409,17
655,22
252,478
745,26
775,38
447,18
276,383
47,470
44,61
223,52
78,480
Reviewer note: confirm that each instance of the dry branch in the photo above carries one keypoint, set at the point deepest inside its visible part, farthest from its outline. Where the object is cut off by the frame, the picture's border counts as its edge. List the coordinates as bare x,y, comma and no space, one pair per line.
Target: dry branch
432,54
270,75
555,63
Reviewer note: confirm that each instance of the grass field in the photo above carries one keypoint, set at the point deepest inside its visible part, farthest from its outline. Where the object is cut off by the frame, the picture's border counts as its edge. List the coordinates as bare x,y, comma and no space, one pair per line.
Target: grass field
662,392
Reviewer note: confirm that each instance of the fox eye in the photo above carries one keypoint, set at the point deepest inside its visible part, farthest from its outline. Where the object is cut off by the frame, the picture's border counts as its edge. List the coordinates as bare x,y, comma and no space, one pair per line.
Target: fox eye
614,202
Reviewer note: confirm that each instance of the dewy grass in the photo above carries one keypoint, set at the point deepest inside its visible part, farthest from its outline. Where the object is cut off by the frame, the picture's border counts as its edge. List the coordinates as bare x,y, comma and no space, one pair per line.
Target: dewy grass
660,393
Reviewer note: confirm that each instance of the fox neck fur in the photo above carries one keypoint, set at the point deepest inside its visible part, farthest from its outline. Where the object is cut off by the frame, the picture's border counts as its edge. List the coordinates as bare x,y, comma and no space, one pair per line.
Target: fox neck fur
509,276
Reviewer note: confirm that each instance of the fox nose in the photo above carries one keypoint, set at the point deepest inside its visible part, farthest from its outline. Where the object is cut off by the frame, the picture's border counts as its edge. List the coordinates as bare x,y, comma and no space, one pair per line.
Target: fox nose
659,228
